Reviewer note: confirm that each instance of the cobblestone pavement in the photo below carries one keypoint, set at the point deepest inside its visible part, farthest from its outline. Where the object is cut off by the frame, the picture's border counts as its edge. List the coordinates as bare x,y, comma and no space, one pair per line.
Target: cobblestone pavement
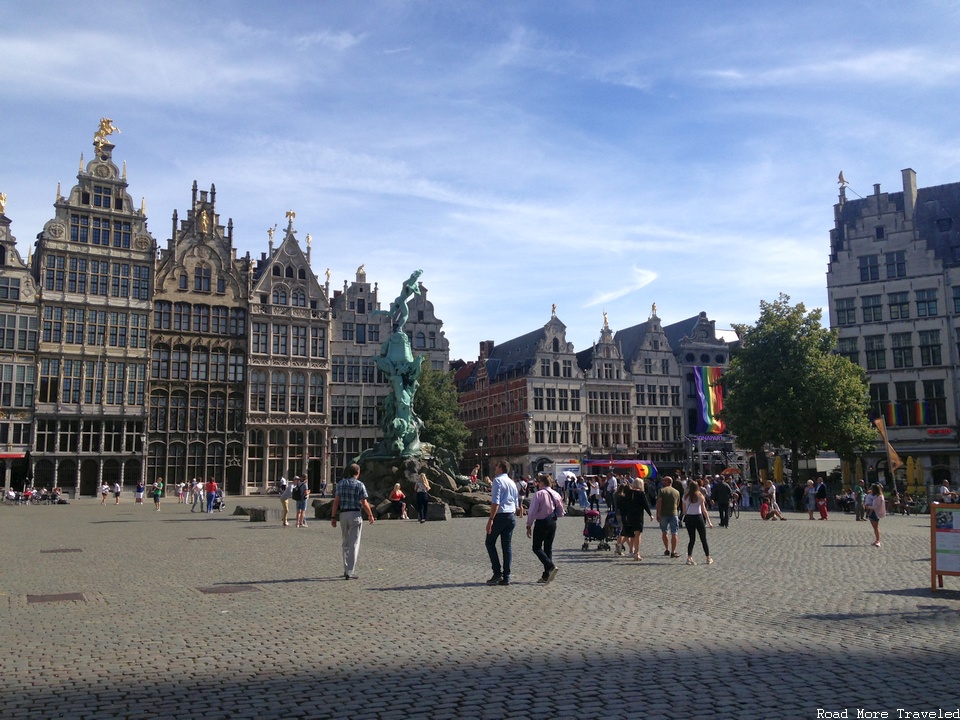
792,617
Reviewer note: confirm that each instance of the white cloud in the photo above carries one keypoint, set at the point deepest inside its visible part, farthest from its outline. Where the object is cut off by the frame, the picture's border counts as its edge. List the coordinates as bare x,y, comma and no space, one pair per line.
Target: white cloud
623,284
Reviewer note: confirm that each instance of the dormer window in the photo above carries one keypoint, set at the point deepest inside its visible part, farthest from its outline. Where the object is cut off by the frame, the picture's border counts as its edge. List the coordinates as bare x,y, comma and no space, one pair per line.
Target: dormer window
202,276
183,281
556,345
277,272
289,272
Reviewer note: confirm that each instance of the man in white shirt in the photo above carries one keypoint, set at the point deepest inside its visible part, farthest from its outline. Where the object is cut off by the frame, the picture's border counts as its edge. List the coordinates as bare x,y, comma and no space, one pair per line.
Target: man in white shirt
503,506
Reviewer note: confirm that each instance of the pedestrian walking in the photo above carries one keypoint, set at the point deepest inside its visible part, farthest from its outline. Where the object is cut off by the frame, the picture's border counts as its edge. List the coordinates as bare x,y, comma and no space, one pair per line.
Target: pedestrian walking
546,506
422,488
349,498
636,505
821,493
116,493
810,499
878,509
500,525
104,491
668,509
210,489
697,519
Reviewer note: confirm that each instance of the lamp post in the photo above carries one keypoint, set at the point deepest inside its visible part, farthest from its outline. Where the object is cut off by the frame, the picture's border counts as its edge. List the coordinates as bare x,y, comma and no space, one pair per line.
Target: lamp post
480,443
334,458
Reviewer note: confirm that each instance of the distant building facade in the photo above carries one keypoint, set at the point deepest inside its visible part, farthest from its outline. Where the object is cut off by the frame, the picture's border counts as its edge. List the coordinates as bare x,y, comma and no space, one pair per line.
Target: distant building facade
893,283
632,395
120,362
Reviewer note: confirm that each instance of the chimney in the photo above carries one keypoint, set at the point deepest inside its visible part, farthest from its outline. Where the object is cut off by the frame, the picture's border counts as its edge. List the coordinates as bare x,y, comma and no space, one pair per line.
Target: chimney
909,192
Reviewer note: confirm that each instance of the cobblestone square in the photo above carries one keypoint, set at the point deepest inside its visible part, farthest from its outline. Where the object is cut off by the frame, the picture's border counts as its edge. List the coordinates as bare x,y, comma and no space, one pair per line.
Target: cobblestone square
793,617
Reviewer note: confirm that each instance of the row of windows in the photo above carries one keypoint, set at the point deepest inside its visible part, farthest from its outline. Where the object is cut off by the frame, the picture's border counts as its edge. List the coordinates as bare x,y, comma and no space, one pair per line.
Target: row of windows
648,366
665,395
96,277
196,412
17,384
556,368
665,430
557,433
96,230
603,402
89,436
902,346
896,266
280,391
198,364
289,271
289,340
353,410
184,317
609,435
76,326
96,381
354,369
18,332
556,399
898,306
907,409
296,298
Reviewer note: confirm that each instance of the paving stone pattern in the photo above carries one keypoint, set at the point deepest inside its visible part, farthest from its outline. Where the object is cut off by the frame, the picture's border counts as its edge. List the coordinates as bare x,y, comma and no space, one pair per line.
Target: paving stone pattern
792,617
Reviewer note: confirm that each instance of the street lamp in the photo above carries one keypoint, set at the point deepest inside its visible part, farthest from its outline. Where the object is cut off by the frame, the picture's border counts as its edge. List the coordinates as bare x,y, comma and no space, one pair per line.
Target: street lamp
480,442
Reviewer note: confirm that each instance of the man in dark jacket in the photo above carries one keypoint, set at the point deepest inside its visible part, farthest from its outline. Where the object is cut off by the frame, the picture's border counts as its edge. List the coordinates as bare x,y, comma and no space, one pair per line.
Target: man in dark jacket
721,496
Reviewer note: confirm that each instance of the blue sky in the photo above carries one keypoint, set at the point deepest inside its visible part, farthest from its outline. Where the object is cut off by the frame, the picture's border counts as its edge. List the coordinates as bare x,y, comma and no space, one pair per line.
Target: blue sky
596,155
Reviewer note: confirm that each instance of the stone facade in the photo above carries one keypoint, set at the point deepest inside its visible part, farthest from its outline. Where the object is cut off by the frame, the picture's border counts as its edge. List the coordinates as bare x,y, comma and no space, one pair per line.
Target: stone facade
94,265
893,282
19,338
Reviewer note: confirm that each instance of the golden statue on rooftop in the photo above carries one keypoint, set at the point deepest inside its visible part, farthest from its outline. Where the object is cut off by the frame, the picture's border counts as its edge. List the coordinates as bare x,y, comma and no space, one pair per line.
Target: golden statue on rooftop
106,128
3,202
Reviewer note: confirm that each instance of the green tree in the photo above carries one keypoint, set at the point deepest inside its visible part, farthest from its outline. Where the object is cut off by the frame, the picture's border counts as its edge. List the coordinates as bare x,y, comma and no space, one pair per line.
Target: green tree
437,404
787,387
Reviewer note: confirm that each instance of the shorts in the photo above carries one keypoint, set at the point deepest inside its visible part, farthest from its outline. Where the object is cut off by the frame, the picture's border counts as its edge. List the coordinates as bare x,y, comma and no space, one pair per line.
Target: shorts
116,494
873,517
670,525
301,505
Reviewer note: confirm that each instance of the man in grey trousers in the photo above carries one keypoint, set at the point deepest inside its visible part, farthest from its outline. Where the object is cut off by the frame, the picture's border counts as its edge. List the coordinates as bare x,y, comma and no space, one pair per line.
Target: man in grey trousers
349,500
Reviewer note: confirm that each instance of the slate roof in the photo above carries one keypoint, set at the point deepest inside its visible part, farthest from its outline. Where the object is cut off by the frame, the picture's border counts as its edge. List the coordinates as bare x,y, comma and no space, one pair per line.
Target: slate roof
630,339
937,219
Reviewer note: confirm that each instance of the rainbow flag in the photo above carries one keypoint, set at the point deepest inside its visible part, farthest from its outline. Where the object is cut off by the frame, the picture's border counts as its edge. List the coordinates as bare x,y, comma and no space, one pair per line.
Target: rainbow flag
709,399
888,415
922,413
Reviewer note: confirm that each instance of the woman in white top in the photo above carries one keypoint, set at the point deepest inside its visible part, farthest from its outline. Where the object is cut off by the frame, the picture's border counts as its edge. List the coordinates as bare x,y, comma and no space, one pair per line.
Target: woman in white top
878,508
696,519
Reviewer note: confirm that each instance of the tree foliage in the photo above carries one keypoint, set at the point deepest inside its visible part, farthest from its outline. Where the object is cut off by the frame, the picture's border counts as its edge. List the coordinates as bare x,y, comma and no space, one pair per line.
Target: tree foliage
787,387
437,404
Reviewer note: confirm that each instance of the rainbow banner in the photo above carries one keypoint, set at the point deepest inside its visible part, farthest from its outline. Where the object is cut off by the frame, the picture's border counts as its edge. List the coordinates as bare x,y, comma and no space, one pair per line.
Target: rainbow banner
709,399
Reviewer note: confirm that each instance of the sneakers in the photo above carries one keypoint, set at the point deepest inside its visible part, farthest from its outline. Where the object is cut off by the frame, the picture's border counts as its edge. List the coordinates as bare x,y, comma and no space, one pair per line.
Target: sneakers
691,561
543,579
877,544
504,581
552,574
709,561
494,580
619,549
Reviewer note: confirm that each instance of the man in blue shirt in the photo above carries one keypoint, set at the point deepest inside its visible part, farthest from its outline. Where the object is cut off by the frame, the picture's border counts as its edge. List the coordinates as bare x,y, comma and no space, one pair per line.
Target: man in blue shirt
350,498
503,507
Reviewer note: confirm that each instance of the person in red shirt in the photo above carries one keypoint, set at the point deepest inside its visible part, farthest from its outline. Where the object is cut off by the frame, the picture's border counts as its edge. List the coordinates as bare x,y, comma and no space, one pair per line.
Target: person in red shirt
210,488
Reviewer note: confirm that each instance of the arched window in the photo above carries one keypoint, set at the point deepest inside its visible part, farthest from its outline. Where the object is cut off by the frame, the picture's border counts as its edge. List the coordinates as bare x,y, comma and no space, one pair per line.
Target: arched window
289,271
302,274
178,412
556,345
280,296
298,298
556,369
420,341
278,392
277,271
181,316
180,363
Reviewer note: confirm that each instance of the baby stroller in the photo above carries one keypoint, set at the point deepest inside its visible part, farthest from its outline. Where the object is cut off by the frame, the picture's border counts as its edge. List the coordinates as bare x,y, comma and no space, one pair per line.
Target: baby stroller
218,503
593,531
611,527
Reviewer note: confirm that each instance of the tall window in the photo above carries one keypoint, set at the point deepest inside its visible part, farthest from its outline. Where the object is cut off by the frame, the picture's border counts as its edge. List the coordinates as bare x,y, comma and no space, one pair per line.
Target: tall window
538,398
201,279
869,268
899,305
902,350
298,392
258,391
896,264
934,403
926,303
848,347
876,353
930,347
281,339
316,393
879,399
846,311
872,309
905,410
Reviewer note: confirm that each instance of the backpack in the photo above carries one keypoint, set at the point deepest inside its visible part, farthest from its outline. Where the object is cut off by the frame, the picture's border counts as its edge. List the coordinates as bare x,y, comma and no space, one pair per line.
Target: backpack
298,493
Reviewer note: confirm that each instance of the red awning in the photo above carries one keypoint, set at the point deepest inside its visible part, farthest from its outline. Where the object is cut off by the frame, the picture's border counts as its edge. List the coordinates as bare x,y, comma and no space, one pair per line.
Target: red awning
12,456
